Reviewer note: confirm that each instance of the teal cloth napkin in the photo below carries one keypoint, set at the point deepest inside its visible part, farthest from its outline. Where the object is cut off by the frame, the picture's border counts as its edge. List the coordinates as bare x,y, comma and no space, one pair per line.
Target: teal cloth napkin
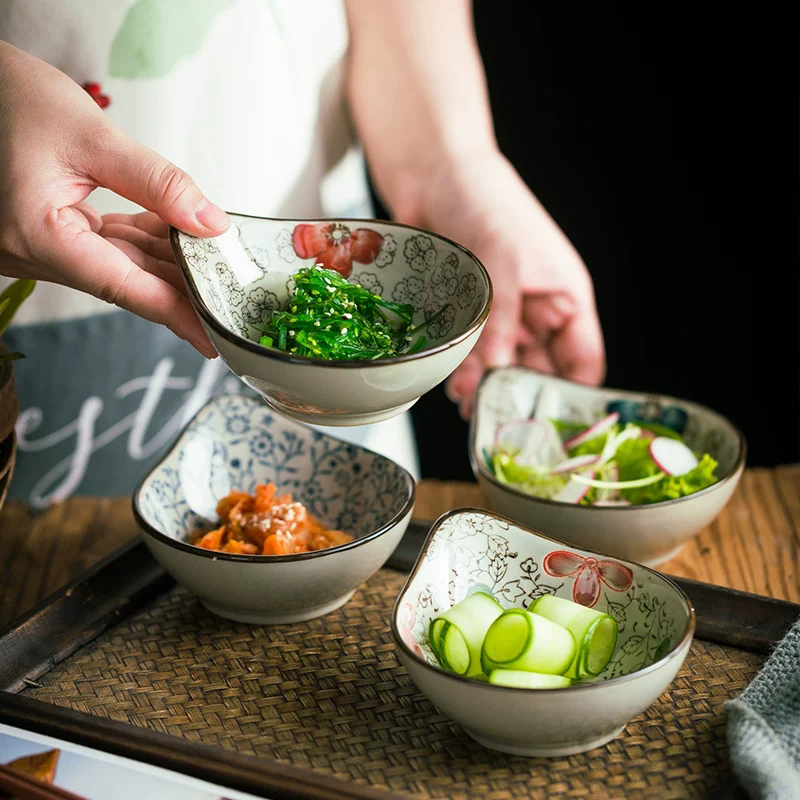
764,726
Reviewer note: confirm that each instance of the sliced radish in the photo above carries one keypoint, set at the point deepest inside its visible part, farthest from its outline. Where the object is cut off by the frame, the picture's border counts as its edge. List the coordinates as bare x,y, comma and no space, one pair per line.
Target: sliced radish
598,429
548,403
647,434
525,437
576,462
553,451
573,492
672,456
620,502
619,484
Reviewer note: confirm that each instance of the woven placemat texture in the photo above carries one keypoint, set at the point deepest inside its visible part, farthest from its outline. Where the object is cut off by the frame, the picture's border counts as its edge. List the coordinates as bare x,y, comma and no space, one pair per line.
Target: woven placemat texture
330,696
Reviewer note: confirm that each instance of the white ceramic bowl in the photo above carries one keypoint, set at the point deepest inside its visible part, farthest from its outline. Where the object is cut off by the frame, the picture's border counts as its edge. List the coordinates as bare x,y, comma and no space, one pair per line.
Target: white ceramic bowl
235,442
470,550
233,295
648,534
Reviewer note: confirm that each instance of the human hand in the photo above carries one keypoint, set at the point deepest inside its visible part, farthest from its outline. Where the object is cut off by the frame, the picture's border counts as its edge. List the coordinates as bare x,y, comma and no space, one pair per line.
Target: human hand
543,314
56,147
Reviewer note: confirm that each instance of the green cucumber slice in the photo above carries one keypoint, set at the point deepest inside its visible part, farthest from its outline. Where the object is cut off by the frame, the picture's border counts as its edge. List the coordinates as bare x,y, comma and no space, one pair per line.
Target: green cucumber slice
599,644
520,640
518,679
435,634
454,653
457,635
594,632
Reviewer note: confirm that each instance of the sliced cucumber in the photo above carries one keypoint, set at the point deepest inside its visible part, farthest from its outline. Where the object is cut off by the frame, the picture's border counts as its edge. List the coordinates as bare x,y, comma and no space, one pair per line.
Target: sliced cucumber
595,633
435,634
519,679
521,640
599,645
457,635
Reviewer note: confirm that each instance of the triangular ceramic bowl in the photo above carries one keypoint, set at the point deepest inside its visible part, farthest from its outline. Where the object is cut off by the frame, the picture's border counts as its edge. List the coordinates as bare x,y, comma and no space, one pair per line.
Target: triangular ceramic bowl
647,534
233,293
235,442
471,550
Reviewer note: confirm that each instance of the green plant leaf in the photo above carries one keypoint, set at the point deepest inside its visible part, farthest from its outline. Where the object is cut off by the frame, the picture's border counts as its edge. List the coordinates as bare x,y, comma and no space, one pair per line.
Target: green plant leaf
12,298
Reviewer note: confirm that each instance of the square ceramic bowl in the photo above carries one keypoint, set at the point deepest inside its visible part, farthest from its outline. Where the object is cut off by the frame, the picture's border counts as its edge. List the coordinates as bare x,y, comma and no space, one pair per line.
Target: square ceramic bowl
471,550
233,290
235,442
648,534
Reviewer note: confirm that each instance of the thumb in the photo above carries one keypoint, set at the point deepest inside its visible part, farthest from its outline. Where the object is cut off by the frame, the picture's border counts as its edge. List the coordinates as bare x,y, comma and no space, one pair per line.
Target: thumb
137,173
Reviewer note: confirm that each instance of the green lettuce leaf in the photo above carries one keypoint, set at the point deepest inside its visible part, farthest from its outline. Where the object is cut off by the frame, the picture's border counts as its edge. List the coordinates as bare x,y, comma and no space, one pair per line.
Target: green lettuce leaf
591,447
537,481
633,460
673,486
567,430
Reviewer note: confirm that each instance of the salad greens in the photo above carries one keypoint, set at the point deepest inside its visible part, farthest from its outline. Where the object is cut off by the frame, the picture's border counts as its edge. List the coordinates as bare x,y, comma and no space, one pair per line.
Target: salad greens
673,486
328,317
535,479
623,464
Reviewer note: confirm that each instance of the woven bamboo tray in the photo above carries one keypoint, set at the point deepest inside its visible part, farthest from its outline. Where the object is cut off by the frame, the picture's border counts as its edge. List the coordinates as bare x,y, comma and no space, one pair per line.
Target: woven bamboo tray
329,698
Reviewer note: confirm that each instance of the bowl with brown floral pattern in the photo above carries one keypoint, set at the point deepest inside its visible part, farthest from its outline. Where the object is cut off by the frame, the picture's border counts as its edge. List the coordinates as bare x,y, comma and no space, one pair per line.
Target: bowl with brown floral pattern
236,280
471,550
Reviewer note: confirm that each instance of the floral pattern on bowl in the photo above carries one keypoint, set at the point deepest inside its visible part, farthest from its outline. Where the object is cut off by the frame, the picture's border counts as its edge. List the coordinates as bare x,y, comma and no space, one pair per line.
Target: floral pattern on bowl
647,534
235,442
471,550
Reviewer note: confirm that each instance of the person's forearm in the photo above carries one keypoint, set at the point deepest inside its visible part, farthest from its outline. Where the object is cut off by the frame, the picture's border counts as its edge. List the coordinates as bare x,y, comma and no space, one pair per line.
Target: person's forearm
417,93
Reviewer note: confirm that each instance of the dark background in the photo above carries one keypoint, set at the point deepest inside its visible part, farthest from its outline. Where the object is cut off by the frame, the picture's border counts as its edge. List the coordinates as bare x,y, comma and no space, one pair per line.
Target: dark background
666,149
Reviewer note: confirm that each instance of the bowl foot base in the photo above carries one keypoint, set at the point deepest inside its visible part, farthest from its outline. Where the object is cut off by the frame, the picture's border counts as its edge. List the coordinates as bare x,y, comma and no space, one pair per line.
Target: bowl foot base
544,750
337,420
273,617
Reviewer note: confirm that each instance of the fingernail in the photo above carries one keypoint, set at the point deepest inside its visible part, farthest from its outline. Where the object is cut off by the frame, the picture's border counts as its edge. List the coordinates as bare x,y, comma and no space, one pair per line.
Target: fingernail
211,217
206,350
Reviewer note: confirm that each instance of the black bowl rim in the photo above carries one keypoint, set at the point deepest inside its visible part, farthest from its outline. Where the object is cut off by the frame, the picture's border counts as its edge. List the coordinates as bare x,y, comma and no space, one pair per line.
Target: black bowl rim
479,469
280,355
588,686
217,555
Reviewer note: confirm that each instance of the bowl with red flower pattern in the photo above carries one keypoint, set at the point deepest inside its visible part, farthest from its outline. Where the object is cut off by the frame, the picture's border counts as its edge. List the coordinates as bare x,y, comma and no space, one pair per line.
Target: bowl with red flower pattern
469,551
235,282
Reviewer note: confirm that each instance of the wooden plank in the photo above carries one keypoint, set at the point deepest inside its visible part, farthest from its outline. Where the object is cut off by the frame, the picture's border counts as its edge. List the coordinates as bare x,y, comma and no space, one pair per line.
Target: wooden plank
42,551
434,498
787,480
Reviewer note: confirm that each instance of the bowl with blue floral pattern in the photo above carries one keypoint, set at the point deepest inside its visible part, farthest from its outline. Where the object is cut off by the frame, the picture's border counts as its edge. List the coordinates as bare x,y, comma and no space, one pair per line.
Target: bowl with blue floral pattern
236,281
471,550
236,443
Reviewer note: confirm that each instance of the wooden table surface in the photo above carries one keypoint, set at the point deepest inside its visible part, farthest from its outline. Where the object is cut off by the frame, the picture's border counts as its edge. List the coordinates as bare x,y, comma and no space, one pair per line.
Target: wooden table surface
753,545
